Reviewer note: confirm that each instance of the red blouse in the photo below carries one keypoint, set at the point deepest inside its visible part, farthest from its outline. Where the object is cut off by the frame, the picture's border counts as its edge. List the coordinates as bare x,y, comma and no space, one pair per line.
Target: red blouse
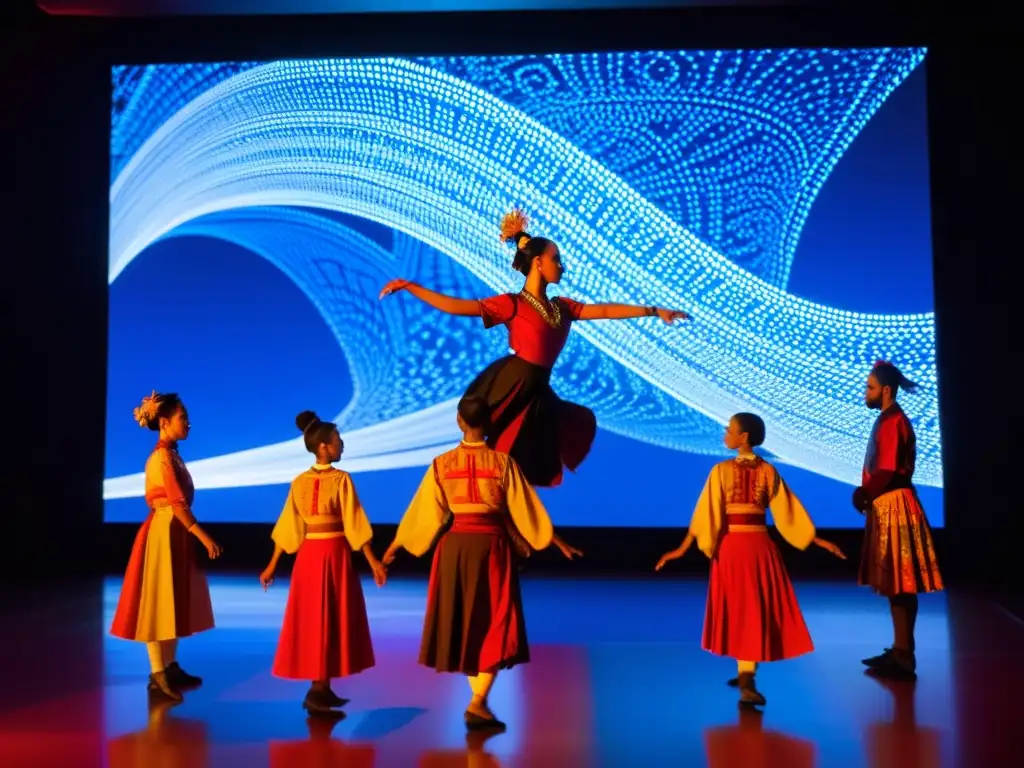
168,480
529,334
891,455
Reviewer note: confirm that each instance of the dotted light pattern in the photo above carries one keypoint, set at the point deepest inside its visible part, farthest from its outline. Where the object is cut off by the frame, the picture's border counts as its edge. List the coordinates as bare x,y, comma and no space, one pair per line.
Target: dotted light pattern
733,145
395,352
438,160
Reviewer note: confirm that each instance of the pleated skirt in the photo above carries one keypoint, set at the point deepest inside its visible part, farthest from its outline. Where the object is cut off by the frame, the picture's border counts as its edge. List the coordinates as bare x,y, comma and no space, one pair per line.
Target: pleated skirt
474,620
326,633
752,613
898,554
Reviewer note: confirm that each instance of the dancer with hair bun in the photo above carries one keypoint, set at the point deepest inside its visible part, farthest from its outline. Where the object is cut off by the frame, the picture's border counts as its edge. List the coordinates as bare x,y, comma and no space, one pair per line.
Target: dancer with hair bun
898,556
476,506
326,633
752,614
165,596
528,421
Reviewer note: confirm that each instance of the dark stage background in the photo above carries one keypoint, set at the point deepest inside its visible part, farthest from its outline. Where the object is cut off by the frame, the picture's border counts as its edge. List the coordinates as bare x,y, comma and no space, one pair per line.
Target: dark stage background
56,75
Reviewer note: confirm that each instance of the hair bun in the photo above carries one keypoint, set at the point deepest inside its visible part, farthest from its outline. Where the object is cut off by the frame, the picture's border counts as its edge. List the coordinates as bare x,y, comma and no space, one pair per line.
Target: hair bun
146,413
513,226
305,420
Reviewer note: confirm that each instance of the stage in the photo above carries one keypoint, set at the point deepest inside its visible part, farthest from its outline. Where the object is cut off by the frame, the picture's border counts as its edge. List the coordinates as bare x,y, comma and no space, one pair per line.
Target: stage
617,679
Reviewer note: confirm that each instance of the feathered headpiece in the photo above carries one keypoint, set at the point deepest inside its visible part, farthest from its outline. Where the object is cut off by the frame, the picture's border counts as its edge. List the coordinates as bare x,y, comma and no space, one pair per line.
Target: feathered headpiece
147,409
513,228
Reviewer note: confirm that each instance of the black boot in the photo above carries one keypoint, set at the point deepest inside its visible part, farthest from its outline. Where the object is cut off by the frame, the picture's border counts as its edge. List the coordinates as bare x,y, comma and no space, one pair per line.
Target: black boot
317,702
480,722
160,686
749,695
179,678
897,664
335,699
878,661
476,722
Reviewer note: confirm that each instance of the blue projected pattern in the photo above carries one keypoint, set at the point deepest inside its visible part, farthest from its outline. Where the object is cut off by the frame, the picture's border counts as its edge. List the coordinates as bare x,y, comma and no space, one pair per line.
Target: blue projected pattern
684,178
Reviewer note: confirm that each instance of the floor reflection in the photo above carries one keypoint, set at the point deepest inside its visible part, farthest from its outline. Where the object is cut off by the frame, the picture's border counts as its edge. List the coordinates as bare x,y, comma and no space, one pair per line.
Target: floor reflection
321,750
166,741
475,754
751,745
617,678
898,741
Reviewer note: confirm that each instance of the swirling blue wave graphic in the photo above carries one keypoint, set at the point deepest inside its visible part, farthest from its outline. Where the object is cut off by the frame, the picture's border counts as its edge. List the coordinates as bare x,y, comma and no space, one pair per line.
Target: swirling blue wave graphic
685,178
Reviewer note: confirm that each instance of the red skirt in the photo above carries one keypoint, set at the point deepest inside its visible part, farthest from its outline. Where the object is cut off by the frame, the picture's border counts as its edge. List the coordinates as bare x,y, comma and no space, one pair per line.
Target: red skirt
529,422
474,621
164,595
326,633
752,613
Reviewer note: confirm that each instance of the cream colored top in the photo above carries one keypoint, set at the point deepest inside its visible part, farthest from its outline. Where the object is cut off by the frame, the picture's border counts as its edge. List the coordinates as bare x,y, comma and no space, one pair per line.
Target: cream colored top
748,485
325,498
473,479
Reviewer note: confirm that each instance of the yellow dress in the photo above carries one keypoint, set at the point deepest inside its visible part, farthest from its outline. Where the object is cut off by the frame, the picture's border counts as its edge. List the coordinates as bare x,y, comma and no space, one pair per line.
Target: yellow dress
164,596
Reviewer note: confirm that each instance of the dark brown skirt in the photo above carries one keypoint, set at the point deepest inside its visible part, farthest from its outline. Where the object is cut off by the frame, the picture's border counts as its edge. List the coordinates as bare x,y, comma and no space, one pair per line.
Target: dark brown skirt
474,621
529,422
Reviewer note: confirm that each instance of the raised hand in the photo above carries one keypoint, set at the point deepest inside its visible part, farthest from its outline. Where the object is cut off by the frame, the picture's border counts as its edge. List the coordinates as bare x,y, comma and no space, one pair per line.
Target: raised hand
394,286
669,316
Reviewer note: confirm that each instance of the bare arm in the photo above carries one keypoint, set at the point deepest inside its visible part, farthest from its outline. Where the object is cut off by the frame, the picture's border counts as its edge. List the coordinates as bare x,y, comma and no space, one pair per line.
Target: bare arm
267,577
371,558
275,558
627,312
676,553
565,548
447,304
180,506
186,518
828,546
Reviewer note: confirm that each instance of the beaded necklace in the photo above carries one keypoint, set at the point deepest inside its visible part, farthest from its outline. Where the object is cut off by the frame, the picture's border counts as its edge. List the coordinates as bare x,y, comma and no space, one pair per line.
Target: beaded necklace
552,318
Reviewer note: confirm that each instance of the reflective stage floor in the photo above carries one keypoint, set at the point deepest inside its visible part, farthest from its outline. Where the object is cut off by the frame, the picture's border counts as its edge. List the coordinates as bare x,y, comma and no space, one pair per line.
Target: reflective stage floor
617,679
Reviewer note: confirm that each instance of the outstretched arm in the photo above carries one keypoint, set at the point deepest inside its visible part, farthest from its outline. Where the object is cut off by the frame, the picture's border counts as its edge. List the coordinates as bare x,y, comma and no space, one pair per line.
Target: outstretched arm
447,304
628,311
828,546
676,553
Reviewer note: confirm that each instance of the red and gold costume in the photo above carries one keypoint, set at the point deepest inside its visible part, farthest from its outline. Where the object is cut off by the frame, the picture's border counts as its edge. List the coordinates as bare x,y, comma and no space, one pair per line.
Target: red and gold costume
752,613
164,596
898,556
326,633
474,621
528,420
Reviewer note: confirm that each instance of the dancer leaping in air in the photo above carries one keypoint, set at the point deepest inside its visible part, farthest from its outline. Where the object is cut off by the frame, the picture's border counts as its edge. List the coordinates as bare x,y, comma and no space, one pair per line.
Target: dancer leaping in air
529,422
